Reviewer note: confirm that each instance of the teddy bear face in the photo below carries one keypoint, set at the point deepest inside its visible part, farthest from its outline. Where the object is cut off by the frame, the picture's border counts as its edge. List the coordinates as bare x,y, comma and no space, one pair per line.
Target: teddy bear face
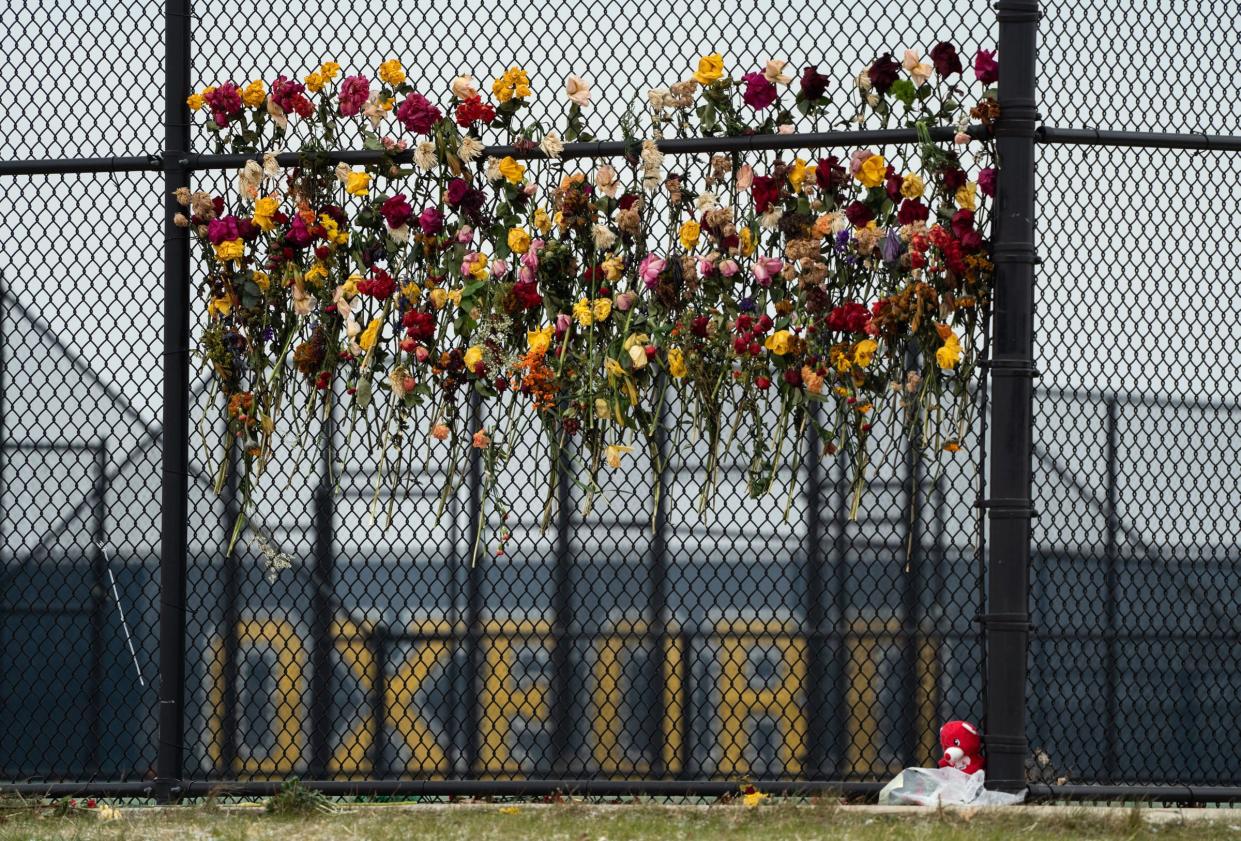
960,734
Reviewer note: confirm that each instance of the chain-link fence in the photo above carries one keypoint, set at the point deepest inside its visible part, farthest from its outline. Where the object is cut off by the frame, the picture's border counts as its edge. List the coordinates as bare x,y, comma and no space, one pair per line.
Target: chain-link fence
605,650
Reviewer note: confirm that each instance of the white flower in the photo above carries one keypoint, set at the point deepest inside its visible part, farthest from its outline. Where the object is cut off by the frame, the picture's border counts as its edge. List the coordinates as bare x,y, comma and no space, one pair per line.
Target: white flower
277,114
919,71
707,200
342,172
492,169
424,155
863,80
652,165
400,234
774,72
771,218
249,178
578,90
270,166
603,236
463,87
552,145
374,111
470,149
658,98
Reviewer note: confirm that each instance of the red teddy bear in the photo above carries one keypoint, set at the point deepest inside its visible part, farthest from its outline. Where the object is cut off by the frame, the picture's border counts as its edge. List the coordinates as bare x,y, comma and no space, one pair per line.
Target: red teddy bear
962,744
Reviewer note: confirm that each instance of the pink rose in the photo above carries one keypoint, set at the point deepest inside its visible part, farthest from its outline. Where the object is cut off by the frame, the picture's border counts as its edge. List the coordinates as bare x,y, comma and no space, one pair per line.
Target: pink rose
650,269
765,269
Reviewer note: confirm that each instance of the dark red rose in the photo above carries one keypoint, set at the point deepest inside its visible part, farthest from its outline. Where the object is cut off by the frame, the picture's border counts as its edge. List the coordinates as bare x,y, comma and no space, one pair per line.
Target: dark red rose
883,73
765,191
971,241
396,211
859,214
962,221
892,183
954,179
830,175
419,325
456,192
759,93
381,286
627,201
813,84
526,293
849,317
944,57
912,211
986,68
792,376
986,181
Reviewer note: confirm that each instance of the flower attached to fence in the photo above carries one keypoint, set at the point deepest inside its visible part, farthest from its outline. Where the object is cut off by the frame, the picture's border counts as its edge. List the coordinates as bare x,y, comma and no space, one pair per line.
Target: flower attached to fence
761,295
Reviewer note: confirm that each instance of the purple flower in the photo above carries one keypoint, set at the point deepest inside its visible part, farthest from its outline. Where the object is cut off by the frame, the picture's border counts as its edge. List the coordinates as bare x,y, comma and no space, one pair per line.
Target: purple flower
985,67
417,114
986,181
746,304
354,91
813,84
890,246
944,57
882,73
759,93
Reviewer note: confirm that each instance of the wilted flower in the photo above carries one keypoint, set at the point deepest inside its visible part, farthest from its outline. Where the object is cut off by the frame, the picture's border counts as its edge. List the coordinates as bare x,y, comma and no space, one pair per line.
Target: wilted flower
577,90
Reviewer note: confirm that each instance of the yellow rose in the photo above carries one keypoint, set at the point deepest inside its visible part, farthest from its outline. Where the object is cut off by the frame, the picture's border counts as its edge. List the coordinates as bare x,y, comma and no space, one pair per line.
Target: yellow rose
540,340
411,291
367,340
220,306
602,308
637,356
872,171
518,240
391,72
455,297
262,280
865,352
329,69
689,233
779,342
797,173
473,356
195,101
264,211
358,183
438,298
542,221
613,268
613,454
229,250
912,186
635,340
254,94
480,269
966,197
746,239
512,170
676,363
950,354
583,313
350,287
710,69
315,81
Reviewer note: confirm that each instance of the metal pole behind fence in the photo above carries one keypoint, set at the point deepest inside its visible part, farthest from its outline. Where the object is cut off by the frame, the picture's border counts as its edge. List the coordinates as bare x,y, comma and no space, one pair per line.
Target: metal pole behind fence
174,454
324,582
1012,370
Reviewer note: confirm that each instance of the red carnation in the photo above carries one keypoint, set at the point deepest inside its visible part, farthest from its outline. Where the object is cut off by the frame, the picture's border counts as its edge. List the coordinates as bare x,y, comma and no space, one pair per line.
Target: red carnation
417,114
381,286
419,325
765,191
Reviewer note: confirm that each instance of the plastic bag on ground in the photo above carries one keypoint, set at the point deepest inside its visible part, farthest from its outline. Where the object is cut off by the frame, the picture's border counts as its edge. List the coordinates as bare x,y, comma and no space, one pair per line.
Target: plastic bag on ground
943,787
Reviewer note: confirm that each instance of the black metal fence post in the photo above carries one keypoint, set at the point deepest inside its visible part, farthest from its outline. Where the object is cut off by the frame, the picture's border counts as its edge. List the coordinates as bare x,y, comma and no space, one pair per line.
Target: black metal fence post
1012,372
174,453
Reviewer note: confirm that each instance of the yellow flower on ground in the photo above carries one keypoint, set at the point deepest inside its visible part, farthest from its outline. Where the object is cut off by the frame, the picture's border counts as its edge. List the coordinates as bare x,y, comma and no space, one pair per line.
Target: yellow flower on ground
912,186
367,340
966,197
229,250
265,209
688,234
865,352
613,454
512,170
710,69
583,313
391,72
540,340
779,342
950,354
676,363
473,356
872,171
195,101
518,240
602,308
751,797
254,94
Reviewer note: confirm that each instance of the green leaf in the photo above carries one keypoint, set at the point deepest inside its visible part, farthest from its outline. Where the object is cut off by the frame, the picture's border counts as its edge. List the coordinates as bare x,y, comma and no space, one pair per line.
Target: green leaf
904,90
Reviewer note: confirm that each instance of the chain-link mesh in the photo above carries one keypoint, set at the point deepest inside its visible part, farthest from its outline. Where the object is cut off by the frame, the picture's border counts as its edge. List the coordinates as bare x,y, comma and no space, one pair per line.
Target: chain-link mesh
602,645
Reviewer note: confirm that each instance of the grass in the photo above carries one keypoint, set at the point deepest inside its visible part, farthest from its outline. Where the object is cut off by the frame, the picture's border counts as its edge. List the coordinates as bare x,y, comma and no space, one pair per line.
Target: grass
580,822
